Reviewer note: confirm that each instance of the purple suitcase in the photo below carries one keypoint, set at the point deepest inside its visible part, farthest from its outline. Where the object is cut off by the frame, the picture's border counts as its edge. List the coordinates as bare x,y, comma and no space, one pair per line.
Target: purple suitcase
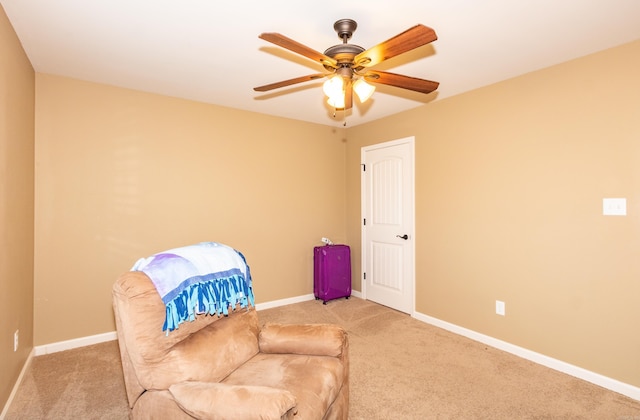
331,272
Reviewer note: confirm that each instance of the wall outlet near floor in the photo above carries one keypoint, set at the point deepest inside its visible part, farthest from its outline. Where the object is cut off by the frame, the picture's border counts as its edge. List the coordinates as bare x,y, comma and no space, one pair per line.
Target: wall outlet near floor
614,206
500,310
16,336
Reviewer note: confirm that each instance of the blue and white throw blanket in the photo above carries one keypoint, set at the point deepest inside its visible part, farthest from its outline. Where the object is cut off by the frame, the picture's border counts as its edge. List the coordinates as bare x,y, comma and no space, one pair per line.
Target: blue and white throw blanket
205,278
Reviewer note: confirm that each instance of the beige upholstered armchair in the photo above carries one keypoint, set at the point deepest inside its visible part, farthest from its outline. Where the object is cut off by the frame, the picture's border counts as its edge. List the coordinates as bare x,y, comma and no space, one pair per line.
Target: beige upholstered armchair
226,367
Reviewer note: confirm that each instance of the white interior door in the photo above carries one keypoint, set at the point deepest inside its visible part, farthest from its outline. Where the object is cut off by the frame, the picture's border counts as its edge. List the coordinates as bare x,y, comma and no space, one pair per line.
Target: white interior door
388,218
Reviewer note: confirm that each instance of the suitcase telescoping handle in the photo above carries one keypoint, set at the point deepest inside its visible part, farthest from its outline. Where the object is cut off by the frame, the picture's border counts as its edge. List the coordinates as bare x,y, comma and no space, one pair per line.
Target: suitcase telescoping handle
405,236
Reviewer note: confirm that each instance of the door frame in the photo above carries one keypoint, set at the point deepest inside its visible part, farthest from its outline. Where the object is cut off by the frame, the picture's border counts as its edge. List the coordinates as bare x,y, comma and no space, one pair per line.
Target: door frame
363,203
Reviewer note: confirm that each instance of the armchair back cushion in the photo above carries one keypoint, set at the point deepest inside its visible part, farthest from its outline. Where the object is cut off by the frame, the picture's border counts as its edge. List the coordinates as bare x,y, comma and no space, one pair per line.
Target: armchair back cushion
157,360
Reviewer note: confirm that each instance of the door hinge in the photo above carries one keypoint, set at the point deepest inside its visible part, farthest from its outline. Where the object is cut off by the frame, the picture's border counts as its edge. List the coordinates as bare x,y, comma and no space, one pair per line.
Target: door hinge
364,275
364,167
364,222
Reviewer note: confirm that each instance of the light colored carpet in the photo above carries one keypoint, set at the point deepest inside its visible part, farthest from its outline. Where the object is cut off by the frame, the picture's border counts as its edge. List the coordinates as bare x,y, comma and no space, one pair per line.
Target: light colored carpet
401,368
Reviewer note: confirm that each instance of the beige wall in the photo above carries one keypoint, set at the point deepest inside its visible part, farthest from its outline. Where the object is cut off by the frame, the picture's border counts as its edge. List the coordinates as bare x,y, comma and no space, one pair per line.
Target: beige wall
122,174
509,186
16,205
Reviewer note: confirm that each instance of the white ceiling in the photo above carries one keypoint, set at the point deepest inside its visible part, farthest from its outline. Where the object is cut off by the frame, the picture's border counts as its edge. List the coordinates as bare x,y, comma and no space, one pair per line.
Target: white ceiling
209,51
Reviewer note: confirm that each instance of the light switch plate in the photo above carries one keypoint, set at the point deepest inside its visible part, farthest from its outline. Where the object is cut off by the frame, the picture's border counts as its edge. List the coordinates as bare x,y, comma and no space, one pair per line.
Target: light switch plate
614,206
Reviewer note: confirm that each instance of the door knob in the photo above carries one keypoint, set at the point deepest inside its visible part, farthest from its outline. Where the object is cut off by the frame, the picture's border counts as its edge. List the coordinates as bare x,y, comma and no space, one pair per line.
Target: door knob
405,236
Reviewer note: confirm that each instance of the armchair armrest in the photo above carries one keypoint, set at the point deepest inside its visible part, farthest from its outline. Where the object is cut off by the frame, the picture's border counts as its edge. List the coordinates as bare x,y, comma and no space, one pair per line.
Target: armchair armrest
216,401
307,339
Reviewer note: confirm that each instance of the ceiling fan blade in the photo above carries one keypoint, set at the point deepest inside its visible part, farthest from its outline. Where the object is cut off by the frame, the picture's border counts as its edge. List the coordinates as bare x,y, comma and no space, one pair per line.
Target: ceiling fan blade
398,80
297,47
408,40
289,82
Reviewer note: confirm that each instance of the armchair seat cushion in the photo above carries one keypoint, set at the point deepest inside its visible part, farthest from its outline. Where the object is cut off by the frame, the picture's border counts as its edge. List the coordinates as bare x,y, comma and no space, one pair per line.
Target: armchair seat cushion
315,381
216,401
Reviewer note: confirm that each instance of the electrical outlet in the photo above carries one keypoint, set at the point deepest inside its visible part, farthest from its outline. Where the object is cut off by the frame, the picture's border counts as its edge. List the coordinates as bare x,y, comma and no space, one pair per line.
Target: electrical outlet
500,309
614,206
16,336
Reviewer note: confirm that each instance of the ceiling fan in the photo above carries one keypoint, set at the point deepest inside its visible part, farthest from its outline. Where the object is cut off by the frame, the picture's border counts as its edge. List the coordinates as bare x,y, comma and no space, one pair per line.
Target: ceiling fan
347,65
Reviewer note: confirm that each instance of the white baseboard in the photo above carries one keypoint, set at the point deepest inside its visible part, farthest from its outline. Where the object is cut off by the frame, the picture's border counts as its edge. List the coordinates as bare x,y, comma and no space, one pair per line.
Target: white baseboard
282,302
576,371
74,343
14,391
298,299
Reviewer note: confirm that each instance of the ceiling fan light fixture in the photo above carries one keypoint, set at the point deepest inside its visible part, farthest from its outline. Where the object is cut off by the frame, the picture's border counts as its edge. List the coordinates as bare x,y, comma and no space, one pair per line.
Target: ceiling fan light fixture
334,86
334,89
336,102
363,89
